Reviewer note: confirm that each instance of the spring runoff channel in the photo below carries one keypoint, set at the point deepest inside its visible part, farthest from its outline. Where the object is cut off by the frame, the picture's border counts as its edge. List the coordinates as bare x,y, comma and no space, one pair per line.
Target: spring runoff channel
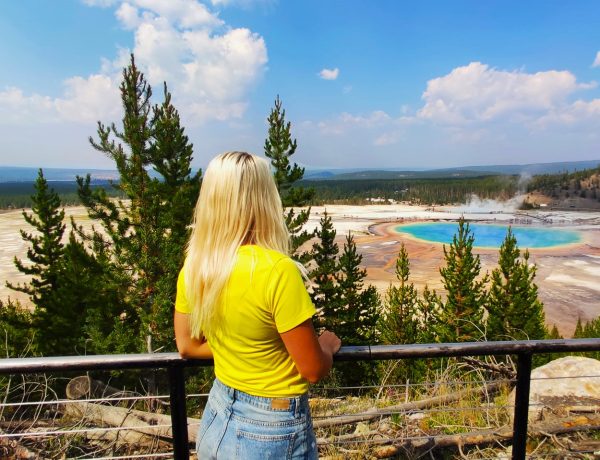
492,235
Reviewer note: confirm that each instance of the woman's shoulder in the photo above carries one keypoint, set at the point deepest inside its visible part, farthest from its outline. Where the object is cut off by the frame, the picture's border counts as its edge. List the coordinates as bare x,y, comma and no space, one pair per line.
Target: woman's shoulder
265,257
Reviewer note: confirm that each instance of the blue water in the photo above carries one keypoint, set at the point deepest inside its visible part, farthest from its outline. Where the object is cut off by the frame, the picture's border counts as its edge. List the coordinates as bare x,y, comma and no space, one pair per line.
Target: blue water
492,236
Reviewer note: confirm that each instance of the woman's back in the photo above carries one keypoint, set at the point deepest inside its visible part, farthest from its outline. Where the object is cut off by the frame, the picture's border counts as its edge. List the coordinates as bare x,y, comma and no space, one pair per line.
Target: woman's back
264,297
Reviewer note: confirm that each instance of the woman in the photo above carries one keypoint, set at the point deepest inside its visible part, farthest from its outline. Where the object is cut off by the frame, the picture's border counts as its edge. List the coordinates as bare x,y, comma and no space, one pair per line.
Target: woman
241,300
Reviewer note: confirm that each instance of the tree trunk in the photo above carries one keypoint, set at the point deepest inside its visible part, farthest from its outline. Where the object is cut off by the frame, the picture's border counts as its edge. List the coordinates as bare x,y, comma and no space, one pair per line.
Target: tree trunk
136,425
86,387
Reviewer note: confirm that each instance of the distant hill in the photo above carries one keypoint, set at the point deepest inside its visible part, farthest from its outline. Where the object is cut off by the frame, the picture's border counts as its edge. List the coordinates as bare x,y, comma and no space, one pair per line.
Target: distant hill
463,171
19,174
22,174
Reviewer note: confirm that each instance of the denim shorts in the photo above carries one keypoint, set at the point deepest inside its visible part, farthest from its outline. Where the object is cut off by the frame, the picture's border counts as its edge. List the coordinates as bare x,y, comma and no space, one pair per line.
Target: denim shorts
236,425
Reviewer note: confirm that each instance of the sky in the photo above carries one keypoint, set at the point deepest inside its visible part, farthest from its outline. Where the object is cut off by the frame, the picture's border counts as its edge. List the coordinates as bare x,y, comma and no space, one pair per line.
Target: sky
365,84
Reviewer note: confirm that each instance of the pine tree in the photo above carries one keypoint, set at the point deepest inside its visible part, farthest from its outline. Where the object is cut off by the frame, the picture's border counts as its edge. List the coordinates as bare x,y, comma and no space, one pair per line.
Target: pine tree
325,293
279,147
46,247
465,295
430,323
588,330
145,234
515,311
89,284
578,333
553,333
358,311
399,324
17,334
57,323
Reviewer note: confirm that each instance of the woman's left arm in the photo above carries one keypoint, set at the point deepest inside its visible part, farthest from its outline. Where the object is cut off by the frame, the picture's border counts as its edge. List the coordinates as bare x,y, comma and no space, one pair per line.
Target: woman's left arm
188,346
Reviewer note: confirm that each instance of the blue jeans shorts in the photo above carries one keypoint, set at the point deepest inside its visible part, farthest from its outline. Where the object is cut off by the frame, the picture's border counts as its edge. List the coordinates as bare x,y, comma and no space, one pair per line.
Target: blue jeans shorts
236,425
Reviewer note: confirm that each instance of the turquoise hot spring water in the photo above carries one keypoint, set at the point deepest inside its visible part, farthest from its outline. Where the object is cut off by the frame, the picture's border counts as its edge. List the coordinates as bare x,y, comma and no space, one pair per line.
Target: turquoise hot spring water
492,235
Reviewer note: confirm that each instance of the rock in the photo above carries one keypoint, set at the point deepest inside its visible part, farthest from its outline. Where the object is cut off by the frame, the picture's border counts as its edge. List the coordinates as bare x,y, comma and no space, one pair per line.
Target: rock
564,385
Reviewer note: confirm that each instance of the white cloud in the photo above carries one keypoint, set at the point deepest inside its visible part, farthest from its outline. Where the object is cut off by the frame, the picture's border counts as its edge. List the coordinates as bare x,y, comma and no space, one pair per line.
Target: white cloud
86,98
329,74
209,68
386,139
15,107
128,15
184,13
478,93
597,60
578,112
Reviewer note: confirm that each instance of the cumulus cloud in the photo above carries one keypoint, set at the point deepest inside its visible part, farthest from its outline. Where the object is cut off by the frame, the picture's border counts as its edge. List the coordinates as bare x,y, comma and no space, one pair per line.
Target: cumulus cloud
386,139
84,100
578,112
208,66
329,74
597,60
478,93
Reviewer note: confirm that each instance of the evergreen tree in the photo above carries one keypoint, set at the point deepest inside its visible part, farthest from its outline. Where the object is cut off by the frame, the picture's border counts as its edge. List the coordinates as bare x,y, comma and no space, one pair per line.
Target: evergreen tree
465,295
46,247
17,334
553,333
145,234
358,311
399,324
89,284
588,330
325,293
58,322
279,147
515,311
430,323
578,333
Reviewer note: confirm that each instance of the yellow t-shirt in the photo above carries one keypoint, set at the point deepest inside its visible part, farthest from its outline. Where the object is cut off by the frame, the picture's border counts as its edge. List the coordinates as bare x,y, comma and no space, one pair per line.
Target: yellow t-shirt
265,296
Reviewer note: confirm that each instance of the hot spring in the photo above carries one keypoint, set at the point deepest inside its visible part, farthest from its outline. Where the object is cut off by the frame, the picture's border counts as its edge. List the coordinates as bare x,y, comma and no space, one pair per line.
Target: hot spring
492,235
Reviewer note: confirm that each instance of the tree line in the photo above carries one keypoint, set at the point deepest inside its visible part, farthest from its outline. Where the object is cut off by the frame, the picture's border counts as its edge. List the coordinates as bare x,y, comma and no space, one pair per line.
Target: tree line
584,183
112,289
430,191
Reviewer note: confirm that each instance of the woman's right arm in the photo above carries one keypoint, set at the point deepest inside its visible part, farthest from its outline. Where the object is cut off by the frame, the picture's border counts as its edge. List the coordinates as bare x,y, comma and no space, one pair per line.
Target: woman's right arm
312,355
188,346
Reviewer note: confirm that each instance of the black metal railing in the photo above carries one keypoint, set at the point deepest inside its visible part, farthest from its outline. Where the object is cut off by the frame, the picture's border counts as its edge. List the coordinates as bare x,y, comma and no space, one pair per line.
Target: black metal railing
523,350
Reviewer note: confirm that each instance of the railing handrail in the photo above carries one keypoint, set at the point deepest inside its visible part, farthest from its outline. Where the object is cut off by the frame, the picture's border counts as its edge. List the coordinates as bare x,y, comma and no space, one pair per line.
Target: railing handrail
524,349
349,353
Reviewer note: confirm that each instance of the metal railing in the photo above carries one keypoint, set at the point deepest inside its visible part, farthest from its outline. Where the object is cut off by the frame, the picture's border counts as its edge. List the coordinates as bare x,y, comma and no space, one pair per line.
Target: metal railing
175,365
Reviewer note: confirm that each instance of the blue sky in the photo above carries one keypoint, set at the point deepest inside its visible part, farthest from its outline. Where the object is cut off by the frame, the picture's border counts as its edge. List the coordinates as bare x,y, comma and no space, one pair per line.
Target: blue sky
365,83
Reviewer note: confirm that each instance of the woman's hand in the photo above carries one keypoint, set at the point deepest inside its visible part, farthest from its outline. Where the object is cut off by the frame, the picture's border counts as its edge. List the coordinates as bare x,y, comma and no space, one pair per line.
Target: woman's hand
329,342
312,355
187,346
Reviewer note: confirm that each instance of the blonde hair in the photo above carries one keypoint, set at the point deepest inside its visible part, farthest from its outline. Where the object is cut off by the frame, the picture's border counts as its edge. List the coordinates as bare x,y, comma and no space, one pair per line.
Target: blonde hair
238,204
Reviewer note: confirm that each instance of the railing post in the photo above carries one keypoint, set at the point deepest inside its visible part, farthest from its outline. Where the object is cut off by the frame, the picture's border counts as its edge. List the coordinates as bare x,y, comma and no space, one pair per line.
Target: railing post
179,428
521,413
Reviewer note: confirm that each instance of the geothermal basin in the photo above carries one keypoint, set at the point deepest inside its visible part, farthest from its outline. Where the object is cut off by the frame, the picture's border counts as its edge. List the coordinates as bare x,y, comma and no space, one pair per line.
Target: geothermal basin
568,275
492,235
568,269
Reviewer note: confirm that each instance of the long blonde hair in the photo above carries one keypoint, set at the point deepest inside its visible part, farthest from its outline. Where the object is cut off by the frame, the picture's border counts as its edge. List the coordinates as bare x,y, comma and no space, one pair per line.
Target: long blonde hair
238,204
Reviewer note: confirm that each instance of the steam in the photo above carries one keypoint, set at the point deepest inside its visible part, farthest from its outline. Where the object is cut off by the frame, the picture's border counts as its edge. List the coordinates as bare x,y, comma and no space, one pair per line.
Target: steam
487,205
524,179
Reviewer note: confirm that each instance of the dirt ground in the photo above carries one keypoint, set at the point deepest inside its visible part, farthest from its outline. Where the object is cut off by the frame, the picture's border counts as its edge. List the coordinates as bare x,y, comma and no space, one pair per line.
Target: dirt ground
568,277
